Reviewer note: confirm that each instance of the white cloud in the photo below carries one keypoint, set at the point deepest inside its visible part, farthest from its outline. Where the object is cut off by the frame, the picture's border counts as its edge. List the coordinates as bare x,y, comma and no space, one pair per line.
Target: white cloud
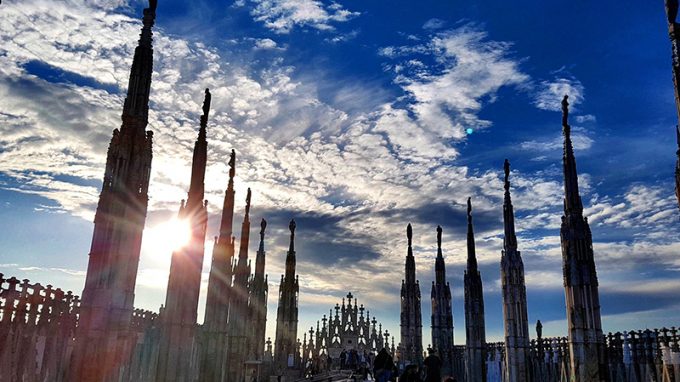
434,23
549,94
579,142
282,16
265,43
355,161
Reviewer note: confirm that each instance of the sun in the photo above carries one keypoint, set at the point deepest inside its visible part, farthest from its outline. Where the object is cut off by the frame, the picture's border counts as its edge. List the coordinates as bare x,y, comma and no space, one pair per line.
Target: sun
168,236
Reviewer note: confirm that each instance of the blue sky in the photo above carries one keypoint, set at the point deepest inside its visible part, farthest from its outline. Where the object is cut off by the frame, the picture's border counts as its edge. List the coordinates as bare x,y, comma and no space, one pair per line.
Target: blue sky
351,116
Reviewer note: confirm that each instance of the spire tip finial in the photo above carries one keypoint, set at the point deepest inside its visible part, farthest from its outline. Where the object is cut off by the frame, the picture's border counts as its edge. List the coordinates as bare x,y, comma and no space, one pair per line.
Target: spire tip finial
409,233
263,226
469,208
292,226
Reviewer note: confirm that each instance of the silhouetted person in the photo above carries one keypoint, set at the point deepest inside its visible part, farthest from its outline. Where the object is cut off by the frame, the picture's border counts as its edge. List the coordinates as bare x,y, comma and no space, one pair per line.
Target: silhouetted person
382,366
433,367
343,359
411,374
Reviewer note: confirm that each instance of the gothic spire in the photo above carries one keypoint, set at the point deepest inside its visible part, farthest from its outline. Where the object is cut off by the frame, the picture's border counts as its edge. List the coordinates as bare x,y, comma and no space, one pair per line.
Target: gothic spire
510,239
137,100
472,257
439,267
200,159
204,117
410,260
228,207
263,226
291,227
245,231
572,199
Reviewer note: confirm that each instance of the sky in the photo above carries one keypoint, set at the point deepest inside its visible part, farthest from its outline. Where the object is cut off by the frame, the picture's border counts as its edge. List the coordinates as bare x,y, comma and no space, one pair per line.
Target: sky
356,118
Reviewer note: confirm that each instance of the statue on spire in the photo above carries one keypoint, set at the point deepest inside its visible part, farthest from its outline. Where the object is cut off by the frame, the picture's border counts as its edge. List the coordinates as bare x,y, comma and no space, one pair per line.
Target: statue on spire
409,233
565,111
506,168
206,102
263,226
671,10
439,236
232,164
248,203
469,210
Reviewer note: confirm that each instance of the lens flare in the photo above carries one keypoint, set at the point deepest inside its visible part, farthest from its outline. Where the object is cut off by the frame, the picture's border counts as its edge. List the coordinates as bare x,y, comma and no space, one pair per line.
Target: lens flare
169,236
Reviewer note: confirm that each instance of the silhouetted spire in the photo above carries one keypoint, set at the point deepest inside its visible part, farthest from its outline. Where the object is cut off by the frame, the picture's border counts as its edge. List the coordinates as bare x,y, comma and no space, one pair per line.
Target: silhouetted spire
291,227
263,226
137,99
226,224
510,239
671,10
572,199
410,260
200,159
245,231
472,257
439,266
204,117
259,259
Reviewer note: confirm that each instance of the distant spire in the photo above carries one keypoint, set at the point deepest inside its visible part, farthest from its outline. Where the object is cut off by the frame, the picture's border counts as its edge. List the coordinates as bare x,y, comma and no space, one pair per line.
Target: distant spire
510,239
137,99
572,200
263,226
291,227
472,257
